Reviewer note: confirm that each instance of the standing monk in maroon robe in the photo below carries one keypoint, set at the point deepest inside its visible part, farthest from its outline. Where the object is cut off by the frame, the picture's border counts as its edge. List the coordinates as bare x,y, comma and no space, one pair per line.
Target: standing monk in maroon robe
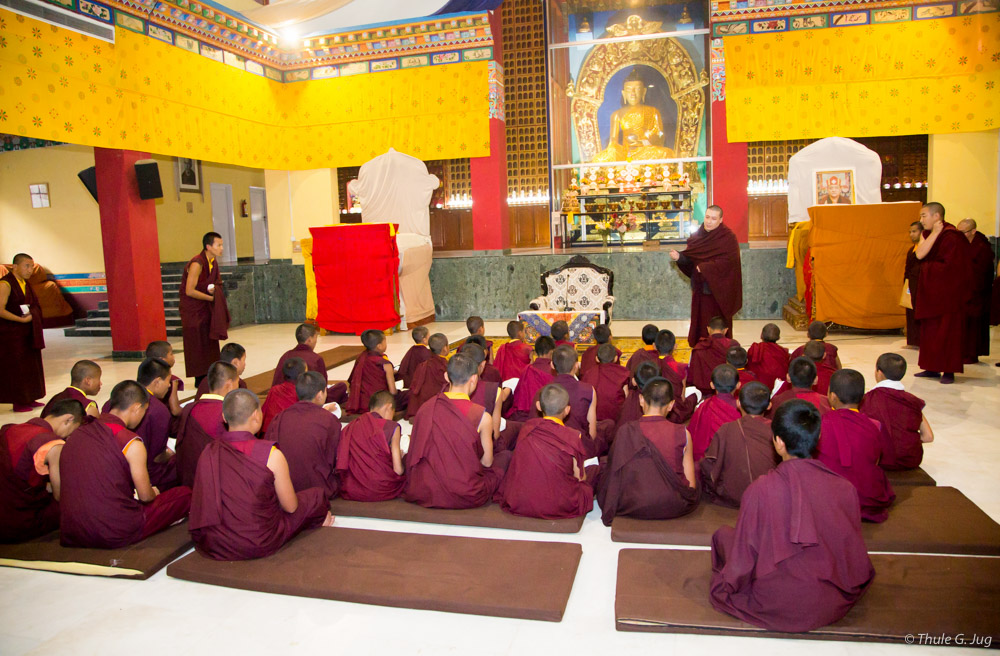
535,377
306,336
945,282
716,410
106,499
676,373
712,262
244,503
766,358
632,408
801,378
911,275
901,413
372,372
514,356
235,355
545,478
597,435
419,352
476,326
610,380
796,560
201,421
201,284
648,351
602,335
23,379
977,320
429,377
817,333
708,354
29,453
369,457
84,382
284,395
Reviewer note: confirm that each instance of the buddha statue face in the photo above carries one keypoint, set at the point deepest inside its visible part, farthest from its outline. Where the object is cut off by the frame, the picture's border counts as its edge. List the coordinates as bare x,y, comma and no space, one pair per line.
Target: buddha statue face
633,92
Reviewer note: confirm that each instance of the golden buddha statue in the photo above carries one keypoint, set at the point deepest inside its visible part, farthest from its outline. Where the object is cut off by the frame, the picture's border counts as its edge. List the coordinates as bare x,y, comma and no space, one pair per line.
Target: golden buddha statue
636,129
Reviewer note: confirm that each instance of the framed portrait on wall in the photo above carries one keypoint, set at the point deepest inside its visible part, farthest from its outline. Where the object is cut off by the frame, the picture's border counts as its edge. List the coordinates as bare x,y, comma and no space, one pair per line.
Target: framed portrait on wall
188,175
834,187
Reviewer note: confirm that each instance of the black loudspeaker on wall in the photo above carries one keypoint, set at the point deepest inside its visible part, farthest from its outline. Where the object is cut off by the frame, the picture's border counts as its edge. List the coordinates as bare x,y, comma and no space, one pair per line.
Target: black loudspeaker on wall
147,174
89,178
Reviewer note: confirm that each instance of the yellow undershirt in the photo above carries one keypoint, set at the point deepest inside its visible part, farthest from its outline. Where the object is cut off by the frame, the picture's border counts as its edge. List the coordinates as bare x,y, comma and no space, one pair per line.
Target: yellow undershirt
215,397
555,419
457,395
24,291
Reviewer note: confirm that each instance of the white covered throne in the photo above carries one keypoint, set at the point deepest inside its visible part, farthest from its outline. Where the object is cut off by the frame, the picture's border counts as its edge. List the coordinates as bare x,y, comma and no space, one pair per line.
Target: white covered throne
577,286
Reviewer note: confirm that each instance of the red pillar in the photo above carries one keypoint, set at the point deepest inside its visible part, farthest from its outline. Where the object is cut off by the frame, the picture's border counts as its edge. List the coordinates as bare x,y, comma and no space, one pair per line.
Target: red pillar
729,175
490,218
131,255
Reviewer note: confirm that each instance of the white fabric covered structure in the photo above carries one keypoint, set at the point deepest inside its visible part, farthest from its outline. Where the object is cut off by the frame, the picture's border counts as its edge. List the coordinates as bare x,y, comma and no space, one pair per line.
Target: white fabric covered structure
832,154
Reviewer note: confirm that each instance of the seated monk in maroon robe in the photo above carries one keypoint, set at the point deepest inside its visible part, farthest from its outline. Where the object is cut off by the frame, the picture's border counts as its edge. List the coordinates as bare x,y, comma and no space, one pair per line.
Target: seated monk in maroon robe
307,433
282,396
736,356
708,354
106,500
536,376
235,355
716,410
514,356
429,377
602,335
306,337
632,408
487,393
451,463
814,351
157,425
676,373
201,421
489,372
852,444
817,333
610,380
649,473
369,456
740,451
901,413
559,331
647,352
767,359
476,326
244,503
800,379
164,351
545,478
84,382
419,352
597,435
29,454
796,560
372,372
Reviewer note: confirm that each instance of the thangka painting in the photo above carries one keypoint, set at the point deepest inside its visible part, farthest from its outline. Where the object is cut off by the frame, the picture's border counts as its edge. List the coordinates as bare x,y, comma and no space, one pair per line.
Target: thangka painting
581,325
834,187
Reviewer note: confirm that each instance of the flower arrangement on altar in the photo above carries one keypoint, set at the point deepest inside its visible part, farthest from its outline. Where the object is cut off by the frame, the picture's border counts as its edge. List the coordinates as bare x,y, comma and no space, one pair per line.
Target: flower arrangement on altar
620,223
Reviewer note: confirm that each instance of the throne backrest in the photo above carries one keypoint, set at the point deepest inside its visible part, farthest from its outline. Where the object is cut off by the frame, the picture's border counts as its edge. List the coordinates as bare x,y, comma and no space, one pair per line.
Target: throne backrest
578,284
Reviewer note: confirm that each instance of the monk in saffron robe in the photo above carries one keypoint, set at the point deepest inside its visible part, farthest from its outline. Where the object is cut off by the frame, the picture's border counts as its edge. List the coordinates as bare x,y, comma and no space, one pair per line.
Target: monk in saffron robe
945,283
85,382
736,356
815,352
489,372
369,456
244,504
611,382
201,285
235,355
716,410
372,372
29,454
201,421
451,463
597,435
545,478
632,408
708,354
648,350
712,261
306,337
419,352
164,351
649,473
23,382
602,335
817,333
430,375
796,560
514,356
157,425
535,377
901,413
284,395
476,326
767,359
740,451
801,378
911,276
106,499
676,373
977,319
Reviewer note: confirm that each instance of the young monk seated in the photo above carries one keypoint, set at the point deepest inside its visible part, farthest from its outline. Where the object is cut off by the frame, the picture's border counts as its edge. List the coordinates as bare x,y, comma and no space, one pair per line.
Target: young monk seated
535,377
800,379
489,372
157,425
817,332
430,375
901,413
418,353
306,336
106,500
597,435
372,372
767,359
649,473
718,409
282,396
851,444
740,450
201,421
796,560
602,335
514,356
164,351
29,453
235,355
675,372
610,380
560,333
814,351
708,354
244,503
369,457
307,434
545,478
648,350
451,463
475,326
84,382
632,408
486,393
737,357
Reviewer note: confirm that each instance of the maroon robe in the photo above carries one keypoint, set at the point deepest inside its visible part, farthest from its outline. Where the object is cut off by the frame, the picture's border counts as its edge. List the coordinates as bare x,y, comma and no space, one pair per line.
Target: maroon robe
708,417
23,379
203,388
716,290
156,427
706,355
512,359
307,435
539,481
200,348
911,276
631,410
769,361
491,374
201,422
27,509
581,396
427,383
609,380
740,451
645,354
977,320
639,480
235,513
314,362
796,560
829,356
589,359
417,354
535,377
684,406
489,352
901,413
364,460
945,282
75,394
821,402
851,444
278,398
746,376
367,377
824,373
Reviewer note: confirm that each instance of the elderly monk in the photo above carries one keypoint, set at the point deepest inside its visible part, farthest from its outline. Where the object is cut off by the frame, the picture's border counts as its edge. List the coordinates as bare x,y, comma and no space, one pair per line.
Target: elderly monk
676,373
535,377
157,425
29,461
84,382
514,356
610,380
648,351
632,408
712,262
201,421
768,359
597,435
204,314
419,352
429,377
718,409
708,354
800,380
235,355
817,333
372,372
911,275
451,463
244,503
945,284
977,319
545,478
900,412
602,335
306,336
23,379
107,501
649,473
796,560
369,456
284,395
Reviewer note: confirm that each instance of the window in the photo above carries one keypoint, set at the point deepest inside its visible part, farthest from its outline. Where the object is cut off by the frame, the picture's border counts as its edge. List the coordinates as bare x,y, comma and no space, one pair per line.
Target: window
39,195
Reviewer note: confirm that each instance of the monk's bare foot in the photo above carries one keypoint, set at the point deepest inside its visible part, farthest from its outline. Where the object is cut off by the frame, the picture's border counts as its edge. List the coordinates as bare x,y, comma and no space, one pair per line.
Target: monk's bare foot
329,519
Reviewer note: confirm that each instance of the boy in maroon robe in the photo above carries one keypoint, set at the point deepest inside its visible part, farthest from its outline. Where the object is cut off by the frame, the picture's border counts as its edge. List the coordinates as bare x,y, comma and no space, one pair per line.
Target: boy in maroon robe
514,356
736,357
369,457
800,379
164,351
451,463
429,377
676,373
767,359
308,433
648,350
597,435
560,333
489,372
851,444
372,372
796,560
201,421
106,499
23,381
649,473
306,337
282,396
901,413
632,408
602,335
708,354
911,276
29,453
157,425
486,393
419,352
536,376
716,410
977,319
740,451
235,355
475,326
244,503
817,333
611,382
84,382
201,284
545,478
814,351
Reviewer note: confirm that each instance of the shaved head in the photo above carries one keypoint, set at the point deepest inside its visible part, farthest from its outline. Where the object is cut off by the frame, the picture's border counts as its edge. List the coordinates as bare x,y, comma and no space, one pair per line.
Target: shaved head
238,406
21,258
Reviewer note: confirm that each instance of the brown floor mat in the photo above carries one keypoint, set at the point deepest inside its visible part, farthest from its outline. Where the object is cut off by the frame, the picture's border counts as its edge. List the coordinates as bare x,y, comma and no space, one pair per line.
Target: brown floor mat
666,591
489,516
139,561
502,578
924,519
909,477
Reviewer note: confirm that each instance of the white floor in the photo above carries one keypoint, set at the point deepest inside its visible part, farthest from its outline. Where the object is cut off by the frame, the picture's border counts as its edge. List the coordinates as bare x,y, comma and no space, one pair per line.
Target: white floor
46,613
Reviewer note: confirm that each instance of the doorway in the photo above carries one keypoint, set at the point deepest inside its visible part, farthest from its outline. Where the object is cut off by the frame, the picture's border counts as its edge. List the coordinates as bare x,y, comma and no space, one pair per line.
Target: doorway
224,220
258,222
